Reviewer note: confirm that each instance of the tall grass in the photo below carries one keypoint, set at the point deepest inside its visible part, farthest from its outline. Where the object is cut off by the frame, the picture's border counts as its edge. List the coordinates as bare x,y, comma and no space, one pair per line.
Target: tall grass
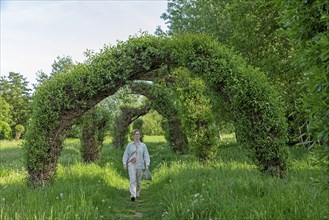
182,188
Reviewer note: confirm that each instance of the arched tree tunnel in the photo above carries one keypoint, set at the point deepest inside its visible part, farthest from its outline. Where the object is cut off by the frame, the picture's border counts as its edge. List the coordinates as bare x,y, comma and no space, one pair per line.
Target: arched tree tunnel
162,102
259,121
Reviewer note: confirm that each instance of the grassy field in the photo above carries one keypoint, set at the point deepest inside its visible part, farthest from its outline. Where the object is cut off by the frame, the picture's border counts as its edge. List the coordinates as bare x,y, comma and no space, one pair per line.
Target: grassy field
182,188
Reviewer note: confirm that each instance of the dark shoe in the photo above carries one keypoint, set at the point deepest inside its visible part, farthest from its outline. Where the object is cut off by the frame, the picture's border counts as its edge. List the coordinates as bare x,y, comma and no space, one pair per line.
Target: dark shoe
132,198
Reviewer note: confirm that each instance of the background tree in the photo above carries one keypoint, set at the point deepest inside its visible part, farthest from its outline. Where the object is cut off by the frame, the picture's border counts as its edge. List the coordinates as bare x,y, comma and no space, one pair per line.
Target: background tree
5,110
306,24
251,28
60,65
5,119
41,78
14,89
5,130
152,123
121,99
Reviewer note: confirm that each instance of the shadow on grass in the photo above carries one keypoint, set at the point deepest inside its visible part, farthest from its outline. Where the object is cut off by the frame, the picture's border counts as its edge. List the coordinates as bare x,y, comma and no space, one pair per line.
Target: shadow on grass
70,157
11,154
299,153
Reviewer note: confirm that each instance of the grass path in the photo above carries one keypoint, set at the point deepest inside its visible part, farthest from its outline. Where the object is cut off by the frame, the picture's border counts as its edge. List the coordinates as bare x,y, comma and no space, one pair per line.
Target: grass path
147,205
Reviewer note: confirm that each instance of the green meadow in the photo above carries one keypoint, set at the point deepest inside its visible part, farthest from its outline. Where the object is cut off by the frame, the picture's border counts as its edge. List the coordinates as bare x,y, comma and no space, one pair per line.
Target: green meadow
182,188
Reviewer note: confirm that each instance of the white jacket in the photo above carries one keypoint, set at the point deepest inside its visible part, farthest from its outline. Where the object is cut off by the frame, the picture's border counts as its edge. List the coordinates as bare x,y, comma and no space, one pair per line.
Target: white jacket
143,157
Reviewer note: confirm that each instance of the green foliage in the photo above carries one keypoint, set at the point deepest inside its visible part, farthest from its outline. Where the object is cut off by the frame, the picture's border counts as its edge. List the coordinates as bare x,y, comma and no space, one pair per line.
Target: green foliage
19,128
14,89
5,110
152,124
122,122
162,100
306,25
196,113
5,130
138,124
74,131
261,44
92,133
259,123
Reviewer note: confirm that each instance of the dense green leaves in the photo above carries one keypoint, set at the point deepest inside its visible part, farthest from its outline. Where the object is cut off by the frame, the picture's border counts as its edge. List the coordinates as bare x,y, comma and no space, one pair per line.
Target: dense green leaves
93,130
5,130
164,101
195,112
61,100
251,29
151,123
5,110
306,24
5,119
122,122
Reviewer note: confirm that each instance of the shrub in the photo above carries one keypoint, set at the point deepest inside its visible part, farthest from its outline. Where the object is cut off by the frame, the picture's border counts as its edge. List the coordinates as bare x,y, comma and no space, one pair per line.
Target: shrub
5,130
19,130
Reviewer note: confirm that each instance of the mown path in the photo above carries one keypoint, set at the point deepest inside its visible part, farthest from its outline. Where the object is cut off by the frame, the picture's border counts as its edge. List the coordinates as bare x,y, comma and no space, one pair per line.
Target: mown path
144,207
140,209
147,205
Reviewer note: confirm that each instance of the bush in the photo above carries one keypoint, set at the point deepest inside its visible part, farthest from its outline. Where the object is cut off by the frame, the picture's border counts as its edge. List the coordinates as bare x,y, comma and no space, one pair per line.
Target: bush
152,124
5,130
19,130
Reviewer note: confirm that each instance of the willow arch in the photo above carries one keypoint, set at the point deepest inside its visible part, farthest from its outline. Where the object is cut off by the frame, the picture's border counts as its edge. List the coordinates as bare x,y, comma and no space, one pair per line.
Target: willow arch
258,114
123,120
92,134
162,102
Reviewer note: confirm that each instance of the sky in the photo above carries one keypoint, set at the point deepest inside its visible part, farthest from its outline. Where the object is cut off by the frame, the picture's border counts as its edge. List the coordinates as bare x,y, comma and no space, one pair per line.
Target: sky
34,33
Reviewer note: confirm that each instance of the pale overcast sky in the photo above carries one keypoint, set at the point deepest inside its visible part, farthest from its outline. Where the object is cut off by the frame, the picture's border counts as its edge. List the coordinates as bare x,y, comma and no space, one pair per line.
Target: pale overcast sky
34,33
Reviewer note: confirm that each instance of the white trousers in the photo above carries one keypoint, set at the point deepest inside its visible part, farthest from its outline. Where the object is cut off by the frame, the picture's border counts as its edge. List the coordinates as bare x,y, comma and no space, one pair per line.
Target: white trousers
135,176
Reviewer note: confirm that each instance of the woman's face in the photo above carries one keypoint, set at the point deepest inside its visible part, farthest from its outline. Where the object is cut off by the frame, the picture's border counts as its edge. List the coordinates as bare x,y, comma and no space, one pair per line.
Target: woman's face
137,136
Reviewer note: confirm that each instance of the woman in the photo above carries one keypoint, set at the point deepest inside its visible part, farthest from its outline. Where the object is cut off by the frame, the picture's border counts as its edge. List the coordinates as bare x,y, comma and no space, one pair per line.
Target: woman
135,157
